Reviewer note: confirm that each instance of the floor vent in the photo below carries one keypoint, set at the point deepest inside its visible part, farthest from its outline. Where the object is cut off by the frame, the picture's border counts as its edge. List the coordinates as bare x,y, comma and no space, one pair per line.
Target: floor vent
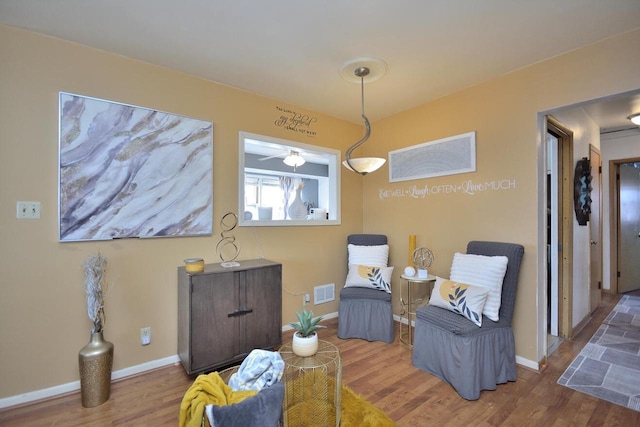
324,293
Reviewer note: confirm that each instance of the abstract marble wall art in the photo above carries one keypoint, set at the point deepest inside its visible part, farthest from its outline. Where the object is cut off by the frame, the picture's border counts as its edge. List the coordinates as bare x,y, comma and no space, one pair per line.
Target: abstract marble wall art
128,171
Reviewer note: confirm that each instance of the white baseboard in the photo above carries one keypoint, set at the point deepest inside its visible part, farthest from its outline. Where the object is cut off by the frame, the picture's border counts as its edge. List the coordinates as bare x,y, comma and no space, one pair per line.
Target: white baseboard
71,387
527,363
403,320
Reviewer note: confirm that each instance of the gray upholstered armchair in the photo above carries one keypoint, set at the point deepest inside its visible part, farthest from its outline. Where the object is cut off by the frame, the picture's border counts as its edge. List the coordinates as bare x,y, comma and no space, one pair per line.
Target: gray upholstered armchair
365,313
468,357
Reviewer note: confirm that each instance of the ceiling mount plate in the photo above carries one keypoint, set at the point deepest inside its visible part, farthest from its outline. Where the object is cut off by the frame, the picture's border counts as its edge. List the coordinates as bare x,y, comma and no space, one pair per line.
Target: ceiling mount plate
377,68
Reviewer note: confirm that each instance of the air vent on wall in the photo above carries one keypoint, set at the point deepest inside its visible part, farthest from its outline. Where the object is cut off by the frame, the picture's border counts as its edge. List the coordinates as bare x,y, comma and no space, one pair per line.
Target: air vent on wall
324,293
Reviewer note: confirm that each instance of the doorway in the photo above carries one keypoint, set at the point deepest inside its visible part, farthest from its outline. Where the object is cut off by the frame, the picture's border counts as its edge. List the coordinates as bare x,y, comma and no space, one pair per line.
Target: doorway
559,232
628,226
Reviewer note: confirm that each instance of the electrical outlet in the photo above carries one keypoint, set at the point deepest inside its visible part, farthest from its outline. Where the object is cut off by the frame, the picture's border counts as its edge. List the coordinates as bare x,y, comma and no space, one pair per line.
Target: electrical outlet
145,335
307,298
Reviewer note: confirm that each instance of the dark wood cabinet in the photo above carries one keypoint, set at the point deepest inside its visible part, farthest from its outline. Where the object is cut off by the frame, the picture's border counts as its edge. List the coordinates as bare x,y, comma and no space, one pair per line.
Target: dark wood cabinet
224,313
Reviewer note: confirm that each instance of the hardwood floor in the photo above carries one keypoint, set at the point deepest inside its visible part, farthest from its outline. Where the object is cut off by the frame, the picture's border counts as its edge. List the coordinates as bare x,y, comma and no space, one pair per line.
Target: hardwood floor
382,374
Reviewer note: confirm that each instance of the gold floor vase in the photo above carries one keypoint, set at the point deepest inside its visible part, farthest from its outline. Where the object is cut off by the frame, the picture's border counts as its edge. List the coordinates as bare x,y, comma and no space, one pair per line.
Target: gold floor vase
95,360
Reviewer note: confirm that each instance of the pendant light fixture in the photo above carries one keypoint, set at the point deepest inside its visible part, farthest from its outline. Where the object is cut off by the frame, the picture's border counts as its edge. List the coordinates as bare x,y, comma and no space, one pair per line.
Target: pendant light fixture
372,69
294,159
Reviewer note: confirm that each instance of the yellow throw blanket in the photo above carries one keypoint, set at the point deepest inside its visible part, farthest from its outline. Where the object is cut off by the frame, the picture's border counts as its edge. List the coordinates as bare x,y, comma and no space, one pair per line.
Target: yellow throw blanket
206,390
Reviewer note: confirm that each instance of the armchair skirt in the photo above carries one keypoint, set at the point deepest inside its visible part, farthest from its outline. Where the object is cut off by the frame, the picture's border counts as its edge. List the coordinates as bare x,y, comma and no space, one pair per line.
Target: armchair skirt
472,361
365,313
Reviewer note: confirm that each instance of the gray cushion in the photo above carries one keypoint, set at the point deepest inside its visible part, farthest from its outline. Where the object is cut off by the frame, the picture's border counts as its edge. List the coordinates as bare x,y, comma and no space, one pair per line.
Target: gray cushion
367,239
455,323
262,410
364,293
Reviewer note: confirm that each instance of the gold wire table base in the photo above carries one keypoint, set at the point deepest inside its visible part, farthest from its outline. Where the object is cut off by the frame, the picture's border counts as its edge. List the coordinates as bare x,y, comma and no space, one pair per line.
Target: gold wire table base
409,306
313,386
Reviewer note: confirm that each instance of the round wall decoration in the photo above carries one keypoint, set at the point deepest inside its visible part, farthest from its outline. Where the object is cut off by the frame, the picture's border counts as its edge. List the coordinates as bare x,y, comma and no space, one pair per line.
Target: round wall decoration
582,190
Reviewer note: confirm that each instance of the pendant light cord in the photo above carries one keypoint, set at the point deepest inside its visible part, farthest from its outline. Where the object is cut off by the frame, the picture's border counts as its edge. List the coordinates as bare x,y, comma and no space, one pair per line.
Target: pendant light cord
367,130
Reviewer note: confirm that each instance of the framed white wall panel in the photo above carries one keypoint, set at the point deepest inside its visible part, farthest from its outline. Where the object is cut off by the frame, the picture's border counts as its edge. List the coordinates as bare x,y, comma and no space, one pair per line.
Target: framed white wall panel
447,156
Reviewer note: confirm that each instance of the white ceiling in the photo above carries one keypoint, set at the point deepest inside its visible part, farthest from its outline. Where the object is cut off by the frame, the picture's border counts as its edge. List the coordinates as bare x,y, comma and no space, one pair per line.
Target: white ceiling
292,50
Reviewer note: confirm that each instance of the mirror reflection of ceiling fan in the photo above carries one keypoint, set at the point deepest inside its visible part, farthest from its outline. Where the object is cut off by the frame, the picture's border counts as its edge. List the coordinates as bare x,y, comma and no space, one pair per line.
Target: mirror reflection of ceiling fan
293,158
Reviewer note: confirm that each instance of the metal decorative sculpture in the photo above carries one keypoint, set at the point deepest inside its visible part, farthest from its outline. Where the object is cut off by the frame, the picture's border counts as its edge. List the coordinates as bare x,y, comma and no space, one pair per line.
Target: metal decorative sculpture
227,249
422,259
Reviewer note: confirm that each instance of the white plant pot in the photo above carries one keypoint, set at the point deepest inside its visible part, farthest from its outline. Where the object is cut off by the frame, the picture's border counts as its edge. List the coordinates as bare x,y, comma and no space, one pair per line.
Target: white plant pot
305,346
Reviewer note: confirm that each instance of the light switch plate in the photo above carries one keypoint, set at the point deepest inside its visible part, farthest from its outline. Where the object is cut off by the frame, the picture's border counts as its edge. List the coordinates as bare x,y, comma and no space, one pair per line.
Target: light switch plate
28,210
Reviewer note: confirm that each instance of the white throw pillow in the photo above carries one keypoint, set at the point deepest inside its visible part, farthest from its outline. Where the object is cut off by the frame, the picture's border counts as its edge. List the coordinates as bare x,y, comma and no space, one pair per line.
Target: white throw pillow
374,256
466,300
480,270
363,276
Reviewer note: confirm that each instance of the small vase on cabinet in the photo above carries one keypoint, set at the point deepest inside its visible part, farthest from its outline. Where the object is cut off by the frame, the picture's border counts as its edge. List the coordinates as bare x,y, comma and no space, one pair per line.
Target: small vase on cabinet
298,210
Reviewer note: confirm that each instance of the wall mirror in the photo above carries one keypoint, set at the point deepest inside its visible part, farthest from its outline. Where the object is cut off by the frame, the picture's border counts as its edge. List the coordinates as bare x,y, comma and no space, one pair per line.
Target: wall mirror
284,183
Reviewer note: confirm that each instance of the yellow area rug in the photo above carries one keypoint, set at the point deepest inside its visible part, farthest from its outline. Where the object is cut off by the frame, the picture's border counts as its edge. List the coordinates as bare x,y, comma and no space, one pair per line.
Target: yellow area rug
358,412
314,407
355,412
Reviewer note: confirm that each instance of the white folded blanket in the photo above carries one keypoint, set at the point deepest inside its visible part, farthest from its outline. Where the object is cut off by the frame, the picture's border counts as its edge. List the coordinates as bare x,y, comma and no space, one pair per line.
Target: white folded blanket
260,369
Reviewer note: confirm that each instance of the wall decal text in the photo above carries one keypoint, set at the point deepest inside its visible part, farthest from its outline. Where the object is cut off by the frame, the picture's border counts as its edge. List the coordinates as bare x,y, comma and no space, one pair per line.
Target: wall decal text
466,187
295,122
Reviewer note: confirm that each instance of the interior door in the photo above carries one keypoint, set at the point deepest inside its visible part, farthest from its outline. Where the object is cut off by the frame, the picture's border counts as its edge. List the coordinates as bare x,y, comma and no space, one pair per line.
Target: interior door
595,228
628,227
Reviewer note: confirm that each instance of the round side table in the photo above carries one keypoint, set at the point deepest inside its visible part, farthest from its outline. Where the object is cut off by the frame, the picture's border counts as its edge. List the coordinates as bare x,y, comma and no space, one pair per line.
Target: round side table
411,304
313,386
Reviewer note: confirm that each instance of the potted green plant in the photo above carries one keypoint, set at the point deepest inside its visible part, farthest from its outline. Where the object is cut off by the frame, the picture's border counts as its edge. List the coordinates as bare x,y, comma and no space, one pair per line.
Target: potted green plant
305,338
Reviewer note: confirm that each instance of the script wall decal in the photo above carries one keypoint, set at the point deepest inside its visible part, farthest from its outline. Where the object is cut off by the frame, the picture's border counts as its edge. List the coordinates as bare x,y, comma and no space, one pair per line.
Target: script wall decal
467,187
295,122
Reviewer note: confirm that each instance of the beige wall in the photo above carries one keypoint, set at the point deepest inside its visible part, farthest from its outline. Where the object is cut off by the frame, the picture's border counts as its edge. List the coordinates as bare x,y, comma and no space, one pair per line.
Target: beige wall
504,113
43,322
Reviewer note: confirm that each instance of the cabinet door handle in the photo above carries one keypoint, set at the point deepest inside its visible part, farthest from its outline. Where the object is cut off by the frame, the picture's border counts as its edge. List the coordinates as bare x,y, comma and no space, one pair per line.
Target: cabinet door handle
240,312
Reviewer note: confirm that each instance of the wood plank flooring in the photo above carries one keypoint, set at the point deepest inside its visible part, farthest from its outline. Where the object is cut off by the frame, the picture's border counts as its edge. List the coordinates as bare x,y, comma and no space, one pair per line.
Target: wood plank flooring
381,373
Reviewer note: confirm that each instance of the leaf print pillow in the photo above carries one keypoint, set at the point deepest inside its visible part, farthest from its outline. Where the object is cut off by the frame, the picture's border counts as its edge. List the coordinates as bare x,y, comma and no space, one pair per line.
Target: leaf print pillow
466,300
363,276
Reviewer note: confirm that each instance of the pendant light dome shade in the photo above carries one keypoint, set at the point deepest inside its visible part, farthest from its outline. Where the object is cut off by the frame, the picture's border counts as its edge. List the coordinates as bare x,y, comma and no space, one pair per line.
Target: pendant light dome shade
294,159
362,165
